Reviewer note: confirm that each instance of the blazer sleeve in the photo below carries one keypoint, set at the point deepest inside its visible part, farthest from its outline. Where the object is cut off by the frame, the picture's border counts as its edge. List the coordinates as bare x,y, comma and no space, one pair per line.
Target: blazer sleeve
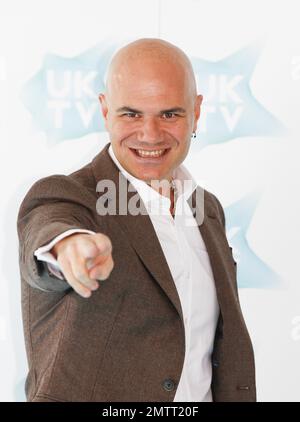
52,206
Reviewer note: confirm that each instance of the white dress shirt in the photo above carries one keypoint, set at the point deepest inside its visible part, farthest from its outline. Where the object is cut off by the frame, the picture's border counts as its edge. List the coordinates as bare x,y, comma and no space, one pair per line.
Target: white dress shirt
189,264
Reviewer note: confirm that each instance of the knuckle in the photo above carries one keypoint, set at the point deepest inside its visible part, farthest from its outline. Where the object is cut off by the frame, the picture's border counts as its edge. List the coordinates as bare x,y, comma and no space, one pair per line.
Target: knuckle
88,249
91,285
79,275
84,281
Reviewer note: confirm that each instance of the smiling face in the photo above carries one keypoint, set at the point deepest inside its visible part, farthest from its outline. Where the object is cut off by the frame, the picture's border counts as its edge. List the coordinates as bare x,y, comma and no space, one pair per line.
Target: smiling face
150,110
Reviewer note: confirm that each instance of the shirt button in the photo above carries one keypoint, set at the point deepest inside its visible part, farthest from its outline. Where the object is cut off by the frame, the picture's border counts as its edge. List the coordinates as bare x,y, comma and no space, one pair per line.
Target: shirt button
215,363
168,385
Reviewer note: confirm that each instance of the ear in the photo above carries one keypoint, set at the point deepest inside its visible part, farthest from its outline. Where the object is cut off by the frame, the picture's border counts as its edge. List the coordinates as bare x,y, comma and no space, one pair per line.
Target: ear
104,107
197,110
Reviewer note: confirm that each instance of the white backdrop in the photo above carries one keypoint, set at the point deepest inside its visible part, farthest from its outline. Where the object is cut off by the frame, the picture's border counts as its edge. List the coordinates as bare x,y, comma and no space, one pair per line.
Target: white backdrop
246,55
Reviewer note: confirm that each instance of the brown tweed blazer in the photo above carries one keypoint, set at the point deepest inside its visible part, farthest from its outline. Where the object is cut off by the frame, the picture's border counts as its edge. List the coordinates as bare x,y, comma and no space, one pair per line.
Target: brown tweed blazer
126,342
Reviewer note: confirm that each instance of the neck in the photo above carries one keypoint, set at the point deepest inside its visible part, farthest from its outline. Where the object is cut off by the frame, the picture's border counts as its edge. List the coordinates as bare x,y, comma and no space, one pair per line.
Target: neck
163,187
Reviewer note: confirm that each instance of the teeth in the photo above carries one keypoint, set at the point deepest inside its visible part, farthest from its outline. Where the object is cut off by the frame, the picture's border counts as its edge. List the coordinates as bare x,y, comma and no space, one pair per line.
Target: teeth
156,153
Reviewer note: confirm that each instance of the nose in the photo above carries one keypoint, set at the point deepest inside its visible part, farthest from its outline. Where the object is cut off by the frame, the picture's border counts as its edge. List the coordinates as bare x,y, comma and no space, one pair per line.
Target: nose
150,130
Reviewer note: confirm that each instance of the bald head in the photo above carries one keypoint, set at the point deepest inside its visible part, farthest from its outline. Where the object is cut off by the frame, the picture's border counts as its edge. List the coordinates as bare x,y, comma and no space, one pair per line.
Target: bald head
141,55
150,104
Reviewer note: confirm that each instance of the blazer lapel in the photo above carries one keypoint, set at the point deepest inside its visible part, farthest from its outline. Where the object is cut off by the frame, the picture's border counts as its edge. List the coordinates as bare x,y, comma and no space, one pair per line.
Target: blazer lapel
146,244
138,228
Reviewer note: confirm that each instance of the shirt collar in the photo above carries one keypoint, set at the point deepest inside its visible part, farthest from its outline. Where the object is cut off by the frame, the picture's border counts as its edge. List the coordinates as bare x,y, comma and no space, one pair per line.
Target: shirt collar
184,183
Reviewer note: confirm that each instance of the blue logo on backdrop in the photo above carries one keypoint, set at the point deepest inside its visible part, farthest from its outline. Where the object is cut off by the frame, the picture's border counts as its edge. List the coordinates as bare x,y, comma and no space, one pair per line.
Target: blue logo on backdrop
251,270
229,109
63,96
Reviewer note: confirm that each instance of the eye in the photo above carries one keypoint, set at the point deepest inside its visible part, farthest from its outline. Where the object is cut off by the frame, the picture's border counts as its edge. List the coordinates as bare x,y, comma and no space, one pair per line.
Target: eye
169,115
130,114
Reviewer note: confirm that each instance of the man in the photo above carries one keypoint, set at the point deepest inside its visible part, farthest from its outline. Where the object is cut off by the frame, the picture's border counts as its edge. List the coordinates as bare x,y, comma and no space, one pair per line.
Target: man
133,306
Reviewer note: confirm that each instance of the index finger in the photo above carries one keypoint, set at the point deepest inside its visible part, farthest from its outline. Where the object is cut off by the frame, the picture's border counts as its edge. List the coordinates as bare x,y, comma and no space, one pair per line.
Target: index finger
103,244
